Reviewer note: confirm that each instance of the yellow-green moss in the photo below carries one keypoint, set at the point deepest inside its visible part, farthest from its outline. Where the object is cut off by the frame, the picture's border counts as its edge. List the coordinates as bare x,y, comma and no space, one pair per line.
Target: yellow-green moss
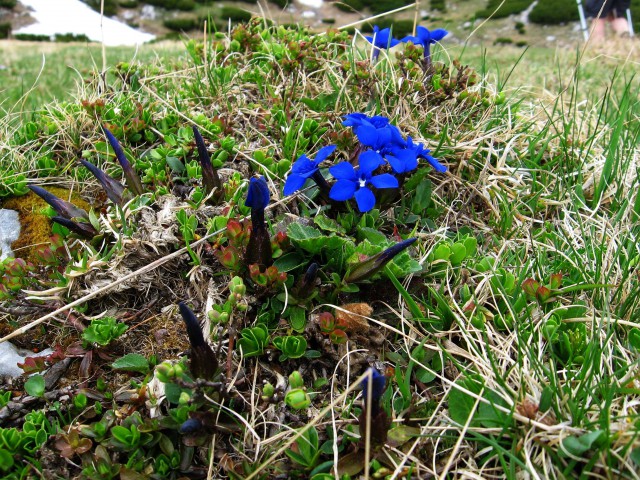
35,228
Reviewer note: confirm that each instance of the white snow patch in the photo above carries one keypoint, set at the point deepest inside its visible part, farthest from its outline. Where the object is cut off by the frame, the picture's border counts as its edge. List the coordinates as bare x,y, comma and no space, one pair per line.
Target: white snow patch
73,16
311,3
10,356
9,231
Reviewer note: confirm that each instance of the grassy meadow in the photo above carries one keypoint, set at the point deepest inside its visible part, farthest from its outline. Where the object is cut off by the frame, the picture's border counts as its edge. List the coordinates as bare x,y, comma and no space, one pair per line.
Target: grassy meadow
506,335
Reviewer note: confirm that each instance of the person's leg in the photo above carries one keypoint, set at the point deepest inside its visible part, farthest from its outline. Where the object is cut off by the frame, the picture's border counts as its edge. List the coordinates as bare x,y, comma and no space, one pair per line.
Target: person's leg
598,29
598,11
619,23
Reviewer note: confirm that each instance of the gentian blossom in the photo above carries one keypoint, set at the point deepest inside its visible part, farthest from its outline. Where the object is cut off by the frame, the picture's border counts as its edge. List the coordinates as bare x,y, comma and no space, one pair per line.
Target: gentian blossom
378,426
381,39
405,159
304,168
355,182
426,38
259,248
378,382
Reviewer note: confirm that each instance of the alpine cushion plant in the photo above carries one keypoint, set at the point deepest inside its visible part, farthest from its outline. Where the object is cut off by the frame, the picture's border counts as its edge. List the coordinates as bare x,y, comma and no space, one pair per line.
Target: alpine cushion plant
426,38
305,168
356,182
381,39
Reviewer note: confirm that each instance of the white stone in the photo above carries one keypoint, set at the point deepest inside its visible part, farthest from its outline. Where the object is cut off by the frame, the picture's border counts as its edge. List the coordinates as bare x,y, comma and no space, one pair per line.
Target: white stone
308,14
74,16
9,231
551,38
10,356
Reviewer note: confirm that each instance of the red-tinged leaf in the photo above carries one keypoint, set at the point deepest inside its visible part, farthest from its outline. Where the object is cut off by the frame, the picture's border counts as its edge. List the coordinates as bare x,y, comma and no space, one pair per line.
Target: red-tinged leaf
351,464
33,365
327,322
57,355
543,294
84,372
530,286
338,336
555,281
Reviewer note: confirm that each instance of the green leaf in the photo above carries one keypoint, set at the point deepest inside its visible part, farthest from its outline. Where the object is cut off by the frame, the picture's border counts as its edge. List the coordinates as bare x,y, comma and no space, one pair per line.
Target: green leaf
576,446
458,254
175,164
441,252
460,402
328,224
6,460
132,362
289,261
35,385
297,318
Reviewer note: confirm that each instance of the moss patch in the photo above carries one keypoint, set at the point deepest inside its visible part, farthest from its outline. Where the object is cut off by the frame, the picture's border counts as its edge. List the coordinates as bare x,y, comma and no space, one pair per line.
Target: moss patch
35,227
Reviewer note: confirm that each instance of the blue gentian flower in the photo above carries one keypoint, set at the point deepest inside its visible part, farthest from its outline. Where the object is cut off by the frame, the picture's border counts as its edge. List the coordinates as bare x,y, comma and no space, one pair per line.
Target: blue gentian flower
381,39
354,182
379,139
354,120
304,168
426,38
378,382
258,195
402,160
259,246
405,158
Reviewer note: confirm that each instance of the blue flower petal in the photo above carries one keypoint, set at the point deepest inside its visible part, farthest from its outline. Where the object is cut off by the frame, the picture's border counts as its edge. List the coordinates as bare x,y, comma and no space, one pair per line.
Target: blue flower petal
303,165
323,153
423,34
343,190
369,160
353,119
386,180
412,39
367,134
258,195
378,382
438,34
293,184
397,165
343,171
365,199
435,164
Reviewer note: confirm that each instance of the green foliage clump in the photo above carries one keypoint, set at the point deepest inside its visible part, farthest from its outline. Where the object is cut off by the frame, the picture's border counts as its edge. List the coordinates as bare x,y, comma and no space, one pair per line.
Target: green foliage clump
399,28
375,7
173,4
32,37
5,29
280,3
235,14
500,9
180,24
128,3
71,37
110,6
439,5
8,3
551,12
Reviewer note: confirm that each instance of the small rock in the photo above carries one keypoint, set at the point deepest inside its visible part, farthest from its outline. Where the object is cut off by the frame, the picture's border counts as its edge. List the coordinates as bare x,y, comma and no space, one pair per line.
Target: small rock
551,38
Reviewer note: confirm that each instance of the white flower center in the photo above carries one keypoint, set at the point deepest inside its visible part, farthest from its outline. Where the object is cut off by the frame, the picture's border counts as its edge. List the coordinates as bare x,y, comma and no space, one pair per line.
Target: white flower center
363,182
